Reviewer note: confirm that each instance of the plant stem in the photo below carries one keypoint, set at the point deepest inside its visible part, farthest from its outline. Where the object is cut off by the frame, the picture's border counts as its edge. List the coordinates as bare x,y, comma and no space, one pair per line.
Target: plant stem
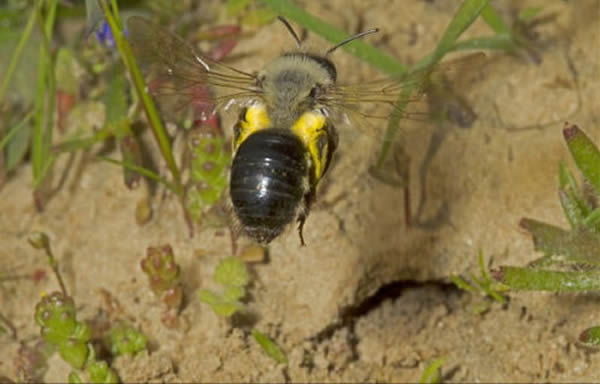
160,133
41,241
44,103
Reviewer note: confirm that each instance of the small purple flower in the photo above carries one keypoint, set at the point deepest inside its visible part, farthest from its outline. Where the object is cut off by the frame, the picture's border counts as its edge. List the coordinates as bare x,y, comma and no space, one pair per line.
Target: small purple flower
104,35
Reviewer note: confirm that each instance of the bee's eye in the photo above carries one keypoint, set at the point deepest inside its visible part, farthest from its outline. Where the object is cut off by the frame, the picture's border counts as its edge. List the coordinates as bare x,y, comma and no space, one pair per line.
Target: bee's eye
260,81
315,91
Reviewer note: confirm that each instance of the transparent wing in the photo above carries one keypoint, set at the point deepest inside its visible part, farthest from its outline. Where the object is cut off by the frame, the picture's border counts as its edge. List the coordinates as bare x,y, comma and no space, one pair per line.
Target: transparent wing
370,104
179,77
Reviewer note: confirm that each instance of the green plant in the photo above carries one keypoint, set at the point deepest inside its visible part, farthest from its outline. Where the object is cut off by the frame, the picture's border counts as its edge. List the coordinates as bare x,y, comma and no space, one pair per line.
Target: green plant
210,158
57,89
113,17
208,152
483,285
56,315
269,347
124,339
432,374
571,261
232,275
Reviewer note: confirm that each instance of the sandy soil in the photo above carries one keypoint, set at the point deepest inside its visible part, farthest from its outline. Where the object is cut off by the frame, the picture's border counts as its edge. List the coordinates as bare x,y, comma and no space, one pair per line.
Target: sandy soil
369,298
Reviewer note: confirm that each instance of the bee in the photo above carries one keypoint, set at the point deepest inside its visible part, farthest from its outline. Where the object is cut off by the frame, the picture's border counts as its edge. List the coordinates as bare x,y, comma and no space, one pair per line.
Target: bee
286,135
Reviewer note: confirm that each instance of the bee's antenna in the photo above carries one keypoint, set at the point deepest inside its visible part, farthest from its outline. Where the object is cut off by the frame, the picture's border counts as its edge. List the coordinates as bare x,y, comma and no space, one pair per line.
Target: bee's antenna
349,39
289,28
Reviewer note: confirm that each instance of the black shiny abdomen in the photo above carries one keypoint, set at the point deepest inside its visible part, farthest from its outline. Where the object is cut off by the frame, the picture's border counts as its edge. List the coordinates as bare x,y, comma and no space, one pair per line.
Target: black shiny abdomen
268,182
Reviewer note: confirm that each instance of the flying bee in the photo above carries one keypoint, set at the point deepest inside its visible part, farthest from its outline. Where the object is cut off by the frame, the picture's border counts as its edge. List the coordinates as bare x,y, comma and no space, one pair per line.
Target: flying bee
285,138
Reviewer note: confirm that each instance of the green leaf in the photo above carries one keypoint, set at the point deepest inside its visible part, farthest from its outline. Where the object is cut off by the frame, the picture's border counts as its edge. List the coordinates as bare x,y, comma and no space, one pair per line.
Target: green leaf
17,142
570,209
585,154
569,185
462,284
41,142
467,13
483,285
270,348
432,373
494,20
209,297
74,352
232,293
528,279
579,247
100,372
232,271
592,221
124,339
219,306
565,177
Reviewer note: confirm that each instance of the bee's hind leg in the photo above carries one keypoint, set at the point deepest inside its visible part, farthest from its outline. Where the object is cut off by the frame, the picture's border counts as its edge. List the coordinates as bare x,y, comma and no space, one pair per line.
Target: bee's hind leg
301,220
303,215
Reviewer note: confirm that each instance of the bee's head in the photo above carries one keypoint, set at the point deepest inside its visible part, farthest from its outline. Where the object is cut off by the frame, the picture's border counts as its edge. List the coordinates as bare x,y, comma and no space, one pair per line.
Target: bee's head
298,81
295,81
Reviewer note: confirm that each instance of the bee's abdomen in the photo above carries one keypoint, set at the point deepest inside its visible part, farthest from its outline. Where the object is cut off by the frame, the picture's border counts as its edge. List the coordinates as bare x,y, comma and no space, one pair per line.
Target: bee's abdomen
268,181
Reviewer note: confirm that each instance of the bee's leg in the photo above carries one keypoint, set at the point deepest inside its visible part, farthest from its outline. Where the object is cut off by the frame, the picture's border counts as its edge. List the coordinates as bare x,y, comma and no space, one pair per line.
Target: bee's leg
301,220
308,200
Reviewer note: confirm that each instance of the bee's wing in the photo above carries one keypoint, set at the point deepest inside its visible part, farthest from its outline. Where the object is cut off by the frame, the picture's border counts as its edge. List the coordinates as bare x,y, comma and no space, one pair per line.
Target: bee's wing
180,77
361,105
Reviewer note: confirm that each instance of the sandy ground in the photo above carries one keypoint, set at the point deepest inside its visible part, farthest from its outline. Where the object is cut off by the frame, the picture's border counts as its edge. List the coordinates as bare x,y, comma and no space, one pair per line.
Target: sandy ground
369,298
